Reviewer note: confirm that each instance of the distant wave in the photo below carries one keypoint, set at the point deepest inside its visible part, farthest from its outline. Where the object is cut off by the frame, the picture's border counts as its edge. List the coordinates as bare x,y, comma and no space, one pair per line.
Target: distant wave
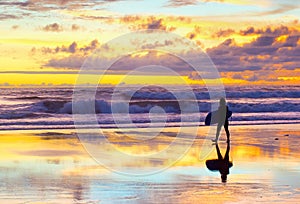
25,108
170,106
231,94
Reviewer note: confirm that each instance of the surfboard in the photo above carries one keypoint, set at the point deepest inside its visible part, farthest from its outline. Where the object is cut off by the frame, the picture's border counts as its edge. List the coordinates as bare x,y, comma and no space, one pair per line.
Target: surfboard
213,117
216,165
213,164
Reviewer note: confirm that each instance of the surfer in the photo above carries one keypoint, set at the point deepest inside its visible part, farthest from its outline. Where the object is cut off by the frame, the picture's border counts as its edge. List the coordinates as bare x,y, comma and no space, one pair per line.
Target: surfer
222,120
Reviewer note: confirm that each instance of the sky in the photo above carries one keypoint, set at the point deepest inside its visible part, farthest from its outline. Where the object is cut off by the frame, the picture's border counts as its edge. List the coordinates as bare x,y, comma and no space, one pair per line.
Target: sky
250,42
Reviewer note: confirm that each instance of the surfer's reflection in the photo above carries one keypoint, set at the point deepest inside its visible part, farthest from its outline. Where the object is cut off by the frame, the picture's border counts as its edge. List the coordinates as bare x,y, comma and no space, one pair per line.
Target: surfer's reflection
222,164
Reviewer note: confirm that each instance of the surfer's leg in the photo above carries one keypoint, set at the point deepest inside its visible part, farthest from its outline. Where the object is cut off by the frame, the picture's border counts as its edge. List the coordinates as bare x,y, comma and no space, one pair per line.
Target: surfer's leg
219,152
226,124
218,131
226,157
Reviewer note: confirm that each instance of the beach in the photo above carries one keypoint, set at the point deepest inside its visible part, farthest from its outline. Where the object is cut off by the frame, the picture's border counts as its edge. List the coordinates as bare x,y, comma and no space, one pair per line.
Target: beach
114,101
52,166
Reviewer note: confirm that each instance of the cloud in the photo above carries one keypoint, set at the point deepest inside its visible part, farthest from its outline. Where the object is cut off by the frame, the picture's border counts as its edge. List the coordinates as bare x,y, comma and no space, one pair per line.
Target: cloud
273,49
70,62
157,44
281,9
38,72
150,22
105,19
49,5
237,76
75,27
71,48
223,33
14,3
15,27
240,2
76,58
193,34
180,3
54,27
130,19
155,23
126,63
281,30
8,16
154,59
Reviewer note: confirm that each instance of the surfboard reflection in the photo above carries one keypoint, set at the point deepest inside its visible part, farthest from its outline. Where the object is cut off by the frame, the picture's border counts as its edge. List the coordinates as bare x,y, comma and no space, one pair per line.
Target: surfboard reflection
222,164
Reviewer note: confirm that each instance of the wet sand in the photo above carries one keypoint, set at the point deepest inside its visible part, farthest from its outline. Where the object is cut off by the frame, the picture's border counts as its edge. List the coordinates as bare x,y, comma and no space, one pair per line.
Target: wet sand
52,166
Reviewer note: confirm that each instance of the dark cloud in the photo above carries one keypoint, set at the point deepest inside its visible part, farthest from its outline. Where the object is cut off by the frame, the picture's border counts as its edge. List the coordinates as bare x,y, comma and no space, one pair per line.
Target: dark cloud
54,27
126,63
156,24
292,41
274,49
264,41
153,58
282,30
8,16
70,62
249,31
150,22
237,76
179,3
38,72
223,33
90,47
14,3
72,48
157,45
49,5
74,60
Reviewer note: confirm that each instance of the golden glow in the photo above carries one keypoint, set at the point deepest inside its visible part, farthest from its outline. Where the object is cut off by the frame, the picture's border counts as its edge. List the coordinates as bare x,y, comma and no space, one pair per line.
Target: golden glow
16,46
29,145
282,38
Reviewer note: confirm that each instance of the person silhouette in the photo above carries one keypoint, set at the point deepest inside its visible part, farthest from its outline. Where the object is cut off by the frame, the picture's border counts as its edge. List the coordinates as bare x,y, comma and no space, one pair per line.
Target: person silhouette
222,164
223,114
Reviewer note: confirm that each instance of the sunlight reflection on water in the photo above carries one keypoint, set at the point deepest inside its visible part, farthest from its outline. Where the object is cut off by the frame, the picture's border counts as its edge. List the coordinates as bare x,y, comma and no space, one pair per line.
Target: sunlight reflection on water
52,166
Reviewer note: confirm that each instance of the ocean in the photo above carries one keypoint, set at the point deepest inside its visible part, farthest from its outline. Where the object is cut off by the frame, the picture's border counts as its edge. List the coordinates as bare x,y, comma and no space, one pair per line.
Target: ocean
51,107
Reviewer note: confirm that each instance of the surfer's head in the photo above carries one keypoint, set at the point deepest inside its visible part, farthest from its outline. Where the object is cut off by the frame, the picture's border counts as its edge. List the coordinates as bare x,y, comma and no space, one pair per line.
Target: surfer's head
222,102
224,178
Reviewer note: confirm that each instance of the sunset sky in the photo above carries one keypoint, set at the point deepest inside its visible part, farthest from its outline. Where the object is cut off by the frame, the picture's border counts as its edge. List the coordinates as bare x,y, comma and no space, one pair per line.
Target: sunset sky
250,42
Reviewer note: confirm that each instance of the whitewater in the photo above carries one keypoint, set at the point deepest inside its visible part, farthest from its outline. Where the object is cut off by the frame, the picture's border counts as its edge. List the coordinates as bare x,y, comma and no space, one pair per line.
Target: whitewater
51,107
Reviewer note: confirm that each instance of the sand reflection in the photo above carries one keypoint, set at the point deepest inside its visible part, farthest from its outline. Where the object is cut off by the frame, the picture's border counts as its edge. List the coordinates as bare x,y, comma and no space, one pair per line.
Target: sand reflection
53,166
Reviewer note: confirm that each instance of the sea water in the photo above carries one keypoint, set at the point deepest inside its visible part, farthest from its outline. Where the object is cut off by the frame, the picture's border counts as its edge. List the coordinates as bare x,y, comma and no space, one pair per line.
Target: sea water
51,107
